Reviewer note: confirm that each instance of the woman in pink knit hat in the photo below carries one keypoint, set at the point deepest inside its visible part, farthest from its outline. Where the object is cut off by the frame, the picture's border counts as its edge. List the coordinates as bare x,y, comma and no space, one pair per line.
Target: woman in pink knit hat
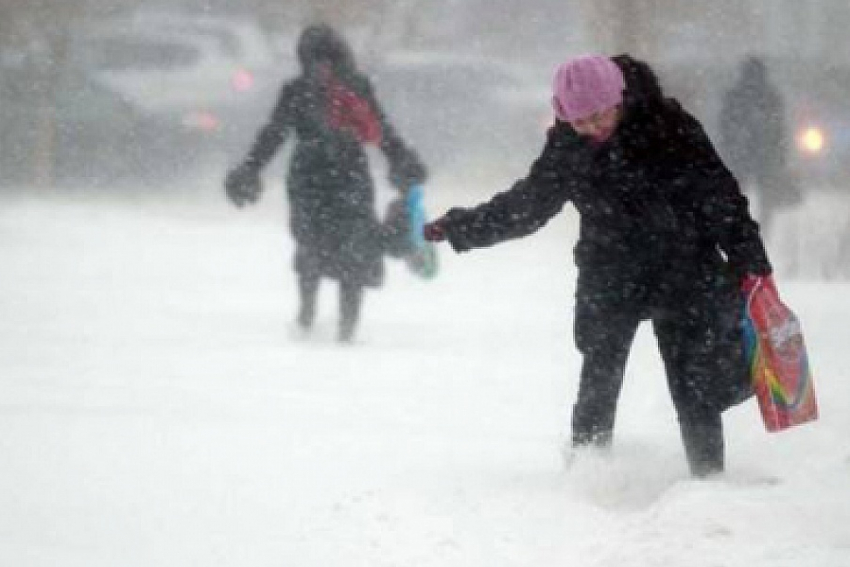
665,236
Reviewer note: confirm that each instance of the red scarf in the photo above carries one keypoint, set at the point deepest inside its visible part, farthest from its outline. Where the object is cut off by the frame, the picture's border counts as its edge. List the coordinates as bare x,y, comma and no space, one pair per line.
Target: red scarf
349,112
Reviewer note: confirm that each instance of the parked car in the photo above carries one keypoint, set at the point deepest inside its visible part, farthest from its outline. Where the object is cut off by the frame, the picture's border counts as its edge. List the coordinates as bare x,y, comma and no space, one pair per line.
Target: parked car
200,76
151,94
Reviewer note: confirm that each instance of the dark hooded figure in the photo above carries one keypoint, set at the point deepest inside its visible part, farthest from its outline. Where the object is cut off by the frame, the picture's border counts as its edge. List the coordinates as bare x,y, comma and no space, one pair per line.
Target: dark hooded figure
333,113
753,139
665,236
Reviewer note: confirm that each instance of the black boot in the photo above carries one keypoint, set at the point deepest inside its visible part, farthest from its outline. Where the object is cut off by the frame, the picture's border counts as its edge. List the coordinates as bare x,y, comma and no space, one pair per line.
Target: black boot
704,448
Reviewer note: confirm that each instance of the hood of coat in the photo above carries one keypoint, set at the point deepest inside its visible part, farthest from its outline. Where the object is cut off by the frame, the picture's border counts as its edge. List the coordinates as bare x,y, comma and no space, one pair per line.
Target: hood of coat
320,44
753,72
650,120
642,85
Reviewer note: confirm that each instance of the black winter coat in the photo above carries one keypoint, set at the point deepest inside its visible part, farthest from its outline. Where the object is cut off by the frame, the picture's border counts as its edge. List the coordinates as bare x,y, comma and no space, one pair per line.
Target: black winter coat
661,216
330,189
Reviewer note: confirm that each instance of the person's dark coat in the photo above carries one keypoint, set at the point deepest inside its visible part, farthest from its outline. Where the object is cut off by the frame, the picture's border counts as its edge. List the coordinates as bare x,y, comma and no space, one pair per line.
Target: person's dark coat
664,225
333,112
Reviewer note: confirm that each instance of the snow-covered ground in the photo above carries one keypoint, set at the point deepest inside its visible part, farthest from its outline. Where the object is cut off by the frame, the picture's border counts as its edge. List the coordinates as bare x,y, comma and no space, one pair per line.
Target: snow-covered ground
156,409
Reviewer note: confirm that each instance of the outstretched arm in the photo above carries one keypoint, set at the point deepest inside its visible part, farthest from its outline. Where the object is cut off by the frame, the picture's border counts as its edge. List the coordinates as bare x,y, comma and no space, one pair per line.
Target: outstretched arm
527,206
242,183
273,134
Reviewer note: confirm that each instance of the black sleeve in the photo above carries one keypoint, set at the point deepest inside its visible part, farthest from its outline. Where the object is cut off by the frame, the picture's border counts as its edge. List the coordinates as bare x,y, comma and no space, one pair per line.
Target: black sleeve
274,133
721,203
519,211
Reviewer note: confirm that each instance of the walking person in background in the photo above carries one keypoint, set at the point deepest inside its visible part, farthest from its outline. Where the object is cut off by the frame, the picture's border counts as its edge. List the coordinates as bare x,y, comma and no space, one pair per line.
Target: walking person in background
665,236
754,140
333,113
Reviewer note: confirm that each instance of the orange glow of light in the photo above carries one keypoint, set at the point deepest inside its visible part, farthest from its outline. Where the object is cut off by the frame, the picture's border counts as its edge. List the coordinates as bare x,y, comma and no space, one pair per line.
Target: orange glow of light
812,140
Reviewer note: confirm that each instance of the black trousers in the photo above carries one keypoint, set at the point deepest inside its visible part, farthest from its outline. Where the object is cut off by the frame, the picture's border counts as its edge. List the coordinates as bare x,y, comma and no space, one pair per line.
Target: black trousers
701,344
350,301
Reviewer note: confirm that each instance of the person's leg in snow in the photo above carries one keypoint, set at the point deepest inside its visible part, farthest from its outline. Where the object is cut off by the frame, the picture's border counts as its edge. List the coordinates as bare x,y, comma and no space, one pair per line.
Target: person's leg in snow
702,360
604,336
308,290
704,446
350,299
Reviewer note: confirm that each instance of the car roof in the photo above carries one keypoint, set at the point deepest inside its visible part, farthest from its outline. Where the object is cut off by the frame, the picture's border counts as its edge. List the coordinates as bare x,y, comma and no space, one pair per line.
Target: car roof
237,37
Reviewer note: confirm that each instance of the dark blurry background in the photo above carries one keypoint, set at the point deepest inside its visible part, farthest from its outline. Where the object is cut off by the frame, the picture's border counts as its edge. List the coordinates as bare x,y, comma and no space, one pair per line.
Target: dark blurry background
100,92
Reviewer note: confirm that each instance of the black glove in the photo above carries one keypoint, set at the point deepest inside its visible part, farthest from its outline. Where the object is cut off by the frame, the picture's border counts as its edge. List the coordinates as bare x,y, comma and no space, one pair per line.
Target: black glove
243,185
407,172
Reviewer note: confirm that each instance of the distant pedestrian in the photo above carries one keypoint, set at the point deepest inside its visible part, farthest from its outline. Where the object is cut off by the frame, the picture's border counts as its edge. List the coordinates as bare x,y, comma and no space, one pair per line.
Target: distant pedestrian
754,140
332,111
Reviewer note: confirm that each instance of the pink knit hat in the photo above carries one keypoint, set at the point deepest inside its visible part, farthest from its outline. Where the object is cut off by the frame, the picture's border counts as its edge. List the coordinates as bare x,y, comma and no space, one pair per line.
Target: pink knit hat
586,85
